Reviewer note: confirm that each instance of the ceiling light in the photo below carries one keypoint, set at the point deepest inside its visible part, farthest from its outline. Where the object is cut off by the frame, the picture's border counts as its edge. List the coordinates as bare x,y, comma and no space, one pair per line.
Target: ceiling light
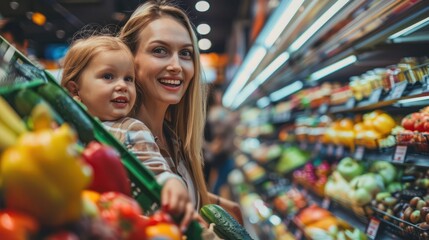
333,68
270,69
204,44
416,26
60,34
317,25
203,28
286,91
282,22
252,60
263,102
202,6
14,5
38,18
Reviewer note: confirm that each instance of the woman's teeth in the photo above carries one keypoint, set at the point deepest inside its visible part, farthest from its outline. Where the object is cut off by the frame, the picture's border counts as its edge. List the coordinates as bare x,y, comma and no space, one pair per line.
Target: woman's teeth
171,82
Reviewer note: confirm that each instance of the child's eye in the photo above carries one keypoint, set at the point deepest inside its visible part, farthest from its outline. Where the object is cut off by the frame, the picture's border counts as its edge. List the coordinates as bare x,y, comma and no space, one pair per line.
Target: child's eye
108,76
129,79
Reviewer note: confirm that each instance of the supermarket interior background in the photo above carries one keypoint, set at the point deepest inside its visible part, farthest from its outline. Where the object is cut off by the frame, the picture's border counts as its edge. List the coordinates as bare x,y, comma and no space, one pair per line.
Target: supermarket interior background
322,106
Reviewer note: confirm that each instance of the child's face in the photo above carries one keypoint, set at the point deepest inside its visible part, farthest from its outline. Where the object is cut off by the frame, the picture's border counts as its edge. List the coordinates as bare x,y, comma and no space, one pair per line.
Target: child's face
106,86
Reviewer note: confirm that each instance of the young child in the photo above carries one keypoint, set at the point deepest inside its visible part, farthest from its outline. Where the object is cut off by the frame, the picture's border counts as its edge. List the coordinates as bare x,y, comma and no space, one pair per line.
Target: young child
99,72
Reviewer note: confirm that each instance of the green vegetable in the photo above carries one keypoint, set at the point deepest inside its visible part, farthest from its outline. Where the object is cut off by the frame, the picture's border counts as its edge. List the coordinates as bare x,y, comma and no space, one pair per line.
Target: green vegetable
69,110
26,99
226,226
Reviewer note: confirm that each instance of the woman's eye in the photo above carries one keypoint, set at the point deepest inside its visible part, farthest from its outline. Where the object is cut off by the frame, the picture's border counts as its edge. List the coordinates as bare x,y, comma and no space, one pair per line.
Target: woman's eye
186,53
108,76
160,50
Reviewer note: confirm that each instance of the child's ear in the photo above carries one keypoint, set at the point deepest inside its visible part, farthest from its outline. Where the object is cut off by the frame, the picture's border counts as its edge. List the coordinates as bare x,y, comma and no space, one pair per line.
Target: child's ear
73,89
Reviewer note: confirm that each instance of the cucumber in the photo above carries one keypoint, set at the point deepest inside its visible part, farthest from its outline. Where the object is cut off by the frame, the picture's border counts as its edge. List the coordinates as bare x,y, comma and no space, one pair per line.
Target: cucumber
26,99
226,226
69,110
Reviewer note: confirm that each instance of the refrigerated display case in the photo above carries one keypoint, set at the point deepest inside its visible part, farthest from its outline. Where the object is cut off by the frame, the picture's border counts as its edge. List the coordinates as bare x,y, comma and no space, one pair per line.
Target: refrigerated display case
362,83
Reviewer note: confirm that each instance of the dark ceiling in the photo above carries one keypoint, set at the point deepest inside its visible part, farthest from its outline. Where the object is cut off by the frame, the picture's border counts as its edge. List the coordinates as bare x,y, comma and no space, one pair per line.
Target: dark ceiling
66,17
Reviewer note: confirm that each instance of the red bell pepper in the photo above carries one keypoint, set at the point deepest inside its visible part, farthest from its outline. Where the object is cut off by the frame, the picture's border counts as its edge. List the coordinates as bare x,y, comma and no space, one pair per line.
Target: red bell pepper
17,226
109,174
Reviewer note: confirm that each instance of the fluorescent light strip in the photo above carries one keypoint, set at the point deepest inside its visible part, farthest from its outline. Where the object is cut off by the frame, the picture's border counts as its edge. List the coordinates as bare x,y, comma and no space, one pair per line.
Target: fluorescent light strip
413,100
333,68
261,78
281,23
263,102
244,94
410,29
270,69
317,25
253,58
286,91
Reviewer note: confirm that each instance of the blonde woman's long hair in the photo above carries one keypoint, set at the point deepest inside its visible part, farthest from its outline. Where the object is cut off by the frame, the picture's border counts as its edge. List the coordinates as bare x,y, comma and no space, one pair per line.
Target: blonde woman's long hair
188,116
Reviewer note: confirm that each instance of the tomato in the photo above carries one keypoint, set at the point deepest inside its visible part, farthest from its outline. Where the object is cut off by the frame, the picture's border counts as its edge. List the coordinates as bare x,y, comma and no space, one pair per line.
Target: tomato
405,137
419,125
408,122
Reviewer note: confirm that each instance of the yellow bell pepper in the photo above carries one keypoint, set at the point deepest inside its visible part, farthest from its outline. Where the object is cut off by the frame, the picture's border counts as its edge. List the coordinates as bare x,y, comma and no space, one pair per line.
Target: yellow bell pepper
44,176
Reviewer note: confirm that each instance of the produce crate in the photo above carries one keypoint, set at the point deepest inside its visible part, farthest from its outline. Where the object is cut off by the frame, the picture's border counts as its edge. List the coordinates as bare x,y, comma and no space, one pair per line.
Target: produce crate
17,72
400,227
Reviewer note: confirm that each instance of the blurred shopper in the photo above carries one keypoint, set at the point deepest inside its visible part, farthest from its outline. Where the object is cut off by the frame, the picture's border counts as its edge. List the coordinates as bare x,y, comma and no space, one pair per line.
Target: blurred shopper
15,35
221,148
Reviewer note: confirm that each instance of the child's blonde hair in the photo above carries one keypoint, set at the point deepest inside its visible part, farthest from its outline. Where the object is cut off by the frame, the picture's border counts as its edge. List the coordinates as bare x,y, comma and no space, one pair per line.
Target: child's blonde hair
82,51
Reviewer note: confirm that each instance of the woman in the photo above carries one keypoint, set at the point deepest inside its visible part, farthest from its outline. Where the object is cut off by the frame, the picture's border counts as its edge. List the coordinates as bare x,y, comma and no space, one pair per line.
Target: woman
168,70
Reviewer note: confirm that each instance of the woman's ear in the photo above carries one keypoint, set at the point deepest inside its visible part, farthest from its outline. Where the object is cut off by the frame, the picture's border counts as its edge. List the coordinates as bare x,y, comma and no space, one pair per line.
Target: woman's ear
73,89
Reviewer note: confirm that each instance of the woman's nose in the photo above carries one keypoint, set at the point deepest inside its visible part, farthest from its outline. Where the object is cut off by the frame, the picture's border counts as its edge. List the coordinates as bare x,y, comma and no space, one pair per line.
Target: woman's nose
174,64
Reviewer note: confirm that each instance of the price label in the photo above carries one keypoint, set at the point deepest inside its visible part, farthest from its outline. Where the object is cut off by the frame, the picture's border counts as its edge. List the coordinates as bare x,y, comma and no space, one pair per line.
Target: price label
371,230
375,95
326,203
330,150
323,108
398,90
400,154
298,234
425,81
350,103
318,146
359,152
339,152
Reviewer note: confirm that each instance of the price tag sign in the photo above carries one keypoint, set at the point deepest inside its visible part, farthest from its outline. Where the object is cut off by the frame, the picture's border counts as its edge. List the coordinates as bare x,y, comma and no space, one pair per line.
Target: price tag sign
350,103
400,154
339,151
359,152
326,203
375,95
330,150
323,108
298,234
371,230
425,81
318,146
398,90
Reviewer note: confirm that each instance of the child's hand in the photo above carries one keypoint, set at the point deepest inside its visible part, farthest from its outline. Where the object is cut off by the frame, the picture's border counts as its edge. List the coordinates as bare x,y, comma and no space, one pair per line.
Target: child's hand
175,200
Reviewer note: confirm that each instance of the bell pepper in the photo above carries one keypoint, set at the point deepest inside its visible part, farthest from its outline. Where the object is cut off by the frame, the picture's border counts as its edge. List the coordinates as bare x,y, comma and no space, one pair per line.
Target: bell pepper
43,176
17,226
122,213
109,174
161,226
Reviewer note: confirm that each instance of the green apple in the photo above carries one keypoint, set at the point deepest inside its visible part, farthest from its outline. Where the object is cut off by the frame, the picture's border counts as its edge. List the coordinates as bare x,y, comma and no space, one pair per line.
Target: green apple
349,168
386,170
360,196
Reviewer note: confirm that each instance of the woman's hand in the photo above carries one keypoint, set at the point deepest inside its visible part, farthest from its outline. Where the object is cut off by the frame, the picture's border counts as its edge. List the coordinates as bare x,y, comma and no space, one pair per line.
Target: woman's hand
175,200
231,207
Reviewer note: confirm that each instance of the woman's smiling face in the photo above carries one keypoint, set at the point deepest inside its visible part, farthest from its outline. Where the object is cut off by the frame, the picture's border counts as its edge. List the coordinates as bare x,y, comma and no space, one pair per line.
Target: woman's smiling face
164,61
